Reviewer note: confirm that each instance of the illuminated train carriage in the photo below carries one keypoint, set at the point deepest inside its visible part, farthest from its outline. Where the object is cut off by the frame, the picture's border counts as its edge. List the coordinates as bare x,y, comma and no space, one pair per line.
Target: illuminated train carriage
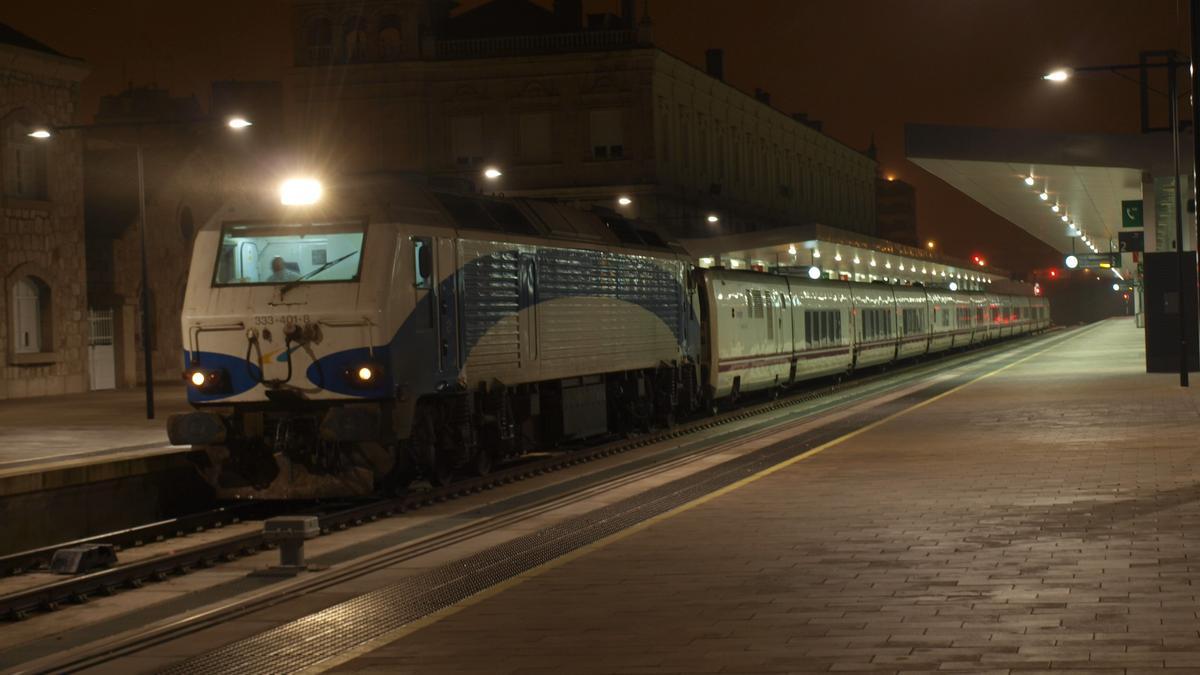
388,331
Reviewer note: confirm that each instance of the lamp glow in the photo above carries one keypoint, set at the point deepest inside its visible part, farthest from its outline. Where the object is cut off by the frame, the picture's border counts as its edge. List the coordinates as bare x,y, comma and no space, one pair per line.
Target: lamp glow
197,379
40,133
239,123
792,251
1044,196
1060,75
1071,262
1055,208
953,286
713,218
624,201
300,191
1029,180
1116,287
837,256
492,173
1065,218
365,373
814,272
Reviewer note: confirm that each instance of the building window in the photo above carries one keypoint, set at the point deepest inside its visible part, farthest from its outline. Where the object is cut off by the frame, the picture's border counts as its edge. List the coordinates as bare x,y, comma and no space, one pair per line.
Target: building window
31,315
391,39
24,163
466,141
354,39
318,39
607,134
535,139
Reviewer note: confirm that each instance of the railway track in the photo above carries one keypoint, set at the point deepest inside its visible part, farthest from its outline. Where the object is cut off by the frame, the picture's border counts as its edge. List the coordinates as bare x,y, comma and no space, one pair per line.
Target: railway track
79,589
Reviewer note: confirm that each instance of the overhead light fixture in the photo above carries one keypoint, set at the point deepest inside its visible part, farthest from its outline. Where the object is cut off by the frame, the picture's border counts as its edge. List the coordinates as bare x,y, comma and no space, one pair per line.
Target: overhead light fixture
1060,75
791,249
837,256
856,259
1029,180
1055,208
1044,196
40,133
238,123
816,252
492,173
712,218
1065,218
888,264
624,201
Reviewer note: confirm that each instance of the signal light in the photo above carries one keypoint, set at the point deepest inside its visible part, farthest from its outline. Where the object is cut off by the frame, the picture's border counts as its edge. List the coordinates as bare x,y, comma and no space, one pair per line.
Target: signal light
1053,273
198,378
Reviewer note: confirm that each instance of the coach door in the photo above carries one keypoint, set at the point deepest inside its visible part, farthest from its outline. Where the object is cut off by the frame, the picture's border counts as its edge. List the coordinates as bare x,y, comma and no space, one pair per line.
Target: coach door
435,305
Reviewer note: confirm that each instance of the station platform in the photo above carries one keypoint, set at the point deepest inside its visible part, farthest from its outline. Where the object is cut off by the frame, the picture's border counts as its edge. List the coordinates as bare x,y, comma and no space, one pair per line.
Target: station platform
52,429
94,455
1044,516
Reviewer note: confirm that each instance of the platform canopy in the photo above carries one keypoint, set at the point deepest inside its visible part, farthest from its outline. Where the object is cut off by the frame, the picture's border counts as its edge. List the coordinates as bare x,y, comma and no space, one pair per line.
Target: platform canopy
1086,175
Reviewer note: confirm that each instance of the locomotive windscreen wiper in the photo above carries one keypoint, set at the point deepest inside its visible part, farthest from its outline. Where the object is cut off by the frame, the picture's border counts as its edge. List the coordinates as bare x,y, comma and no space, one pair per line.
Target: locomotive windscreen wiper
296,282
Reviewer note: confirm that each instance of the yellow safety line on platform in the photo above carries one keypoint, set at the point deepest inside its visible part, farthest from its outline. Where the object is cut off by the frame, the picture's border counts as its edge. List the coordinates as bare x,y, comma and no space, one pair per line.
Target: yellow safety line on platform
408,629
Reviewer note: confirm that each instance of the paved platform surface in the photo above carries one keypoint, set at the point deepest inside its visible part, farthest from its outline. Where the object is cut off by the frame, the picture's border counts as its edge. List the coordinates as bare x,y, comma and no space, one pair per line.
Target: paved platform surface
1043,518
51,429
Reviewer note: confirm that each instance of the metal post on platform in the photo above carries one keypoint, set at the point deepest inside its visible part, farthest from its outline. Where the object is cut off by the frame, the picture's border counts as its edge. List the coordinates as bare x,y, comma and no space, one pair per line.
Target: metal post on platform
148,359
1173,119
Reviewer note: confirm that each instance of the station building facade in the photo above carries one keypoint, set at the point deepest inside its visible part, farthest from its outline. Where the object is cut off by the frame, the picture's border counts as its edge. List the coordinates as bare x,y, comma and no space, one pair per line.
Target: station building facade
582,109
43,308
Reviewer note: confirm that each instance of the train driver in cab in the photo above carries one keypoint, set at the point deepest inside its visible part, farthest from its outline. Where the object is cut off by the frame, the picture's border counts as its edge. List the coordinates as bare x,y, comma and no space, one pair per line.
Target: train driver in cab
280,272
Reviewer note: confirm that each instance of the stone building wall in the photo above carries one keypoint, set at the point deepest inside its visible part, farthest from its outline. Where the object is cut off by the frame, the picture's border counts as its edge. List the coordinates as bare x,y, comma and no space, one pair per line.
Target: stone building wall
41,236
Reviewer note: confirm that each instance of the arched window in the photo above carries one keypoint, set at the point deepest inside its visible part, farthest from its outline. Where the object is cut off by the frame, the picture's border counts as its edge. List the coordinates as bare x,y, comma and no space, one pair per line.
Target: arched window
319,40
31,316
24,161
391,39
354,39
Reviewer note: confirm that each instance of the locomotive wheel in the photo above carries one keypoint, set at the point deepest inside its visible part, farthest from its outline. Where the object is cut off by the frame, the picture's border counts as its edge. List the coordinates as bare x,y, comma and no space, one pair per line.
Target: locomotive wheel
434,462
482,462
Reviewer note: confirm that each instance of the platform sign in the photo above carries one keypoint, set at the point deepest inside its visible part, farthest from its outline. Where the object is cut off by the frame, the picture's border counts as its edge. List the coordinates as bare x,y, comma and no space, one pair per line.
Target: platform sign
1131,242
1131,213
1099,260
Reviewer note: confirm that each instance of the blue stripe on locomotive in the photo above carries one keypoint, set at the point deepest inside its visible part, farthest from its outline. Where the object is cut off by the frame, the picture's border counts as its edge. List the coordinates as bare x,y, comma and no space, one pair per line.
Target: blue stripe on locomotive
494,286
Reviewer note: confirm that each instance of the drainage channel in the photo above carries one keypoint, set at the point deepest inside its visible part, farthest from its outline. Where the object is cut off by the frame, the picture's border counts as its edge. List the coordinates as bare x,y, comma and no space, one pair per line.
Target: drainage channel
332,632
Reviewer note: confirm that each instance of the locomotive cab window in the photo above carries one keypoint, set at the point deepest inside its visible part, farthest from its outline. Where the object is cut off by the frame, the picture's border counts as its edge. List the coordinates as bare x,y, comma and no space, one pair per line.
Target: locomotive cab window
254,254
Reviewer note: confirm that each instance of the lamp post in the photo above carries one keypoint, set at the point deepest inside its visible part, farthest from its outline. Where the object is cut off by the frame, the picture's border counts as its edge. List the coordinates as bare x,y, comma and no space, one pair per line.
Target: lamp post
1172,65
234,123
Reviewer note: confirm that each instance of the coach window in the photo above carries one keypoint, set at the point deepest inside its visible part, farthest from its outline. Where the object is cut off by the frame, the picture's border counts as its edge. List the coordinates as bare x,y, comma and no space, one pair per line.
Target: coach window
422,262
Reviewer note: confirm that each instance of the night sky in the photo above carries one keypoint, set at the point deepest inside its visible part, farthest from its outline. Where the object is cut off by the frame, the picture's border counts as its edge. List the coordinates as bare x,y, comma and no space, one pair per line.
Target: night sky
860,66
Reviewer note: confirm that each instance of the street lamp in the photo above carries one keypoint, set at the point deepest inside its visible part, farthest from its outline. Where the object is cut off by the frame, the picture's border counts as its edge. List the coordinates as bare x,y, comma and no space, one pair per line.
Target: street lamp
1172,64
45,133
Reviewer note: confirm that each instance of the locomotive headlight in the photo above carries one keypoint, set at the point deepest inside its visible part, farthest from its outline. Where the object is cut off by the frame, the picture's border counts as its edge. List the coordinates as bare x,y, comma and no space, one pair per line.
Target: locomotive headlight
364,374
300,191
208,381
